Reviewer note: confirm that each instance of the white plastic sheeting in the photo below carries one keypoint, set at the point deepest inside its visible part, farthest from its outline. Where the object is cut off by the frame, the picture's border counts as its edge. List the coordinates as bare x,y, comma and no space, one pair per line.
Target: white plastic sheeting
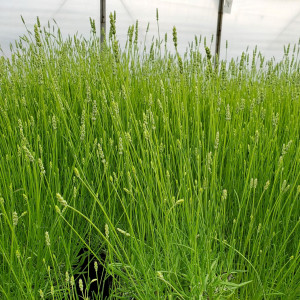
269,24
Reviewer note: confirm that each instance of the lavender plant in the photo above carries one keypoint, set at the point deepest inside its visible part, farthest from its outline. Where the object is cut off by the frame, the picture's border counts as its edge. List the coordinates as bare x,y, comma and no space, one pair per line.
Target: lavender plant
185,175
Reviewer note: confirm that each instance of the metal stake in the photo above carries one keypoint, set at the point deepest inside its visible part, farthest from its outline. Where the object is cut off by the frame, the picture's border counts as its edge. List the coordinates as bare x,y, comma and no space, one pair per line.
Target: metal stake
219,30
102,20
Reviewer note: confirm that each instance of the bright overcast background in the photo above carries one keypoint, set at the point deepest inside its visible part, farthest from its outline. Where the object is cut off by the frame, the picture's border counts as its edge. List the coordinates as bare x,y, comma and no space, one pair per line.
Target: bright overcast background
269,24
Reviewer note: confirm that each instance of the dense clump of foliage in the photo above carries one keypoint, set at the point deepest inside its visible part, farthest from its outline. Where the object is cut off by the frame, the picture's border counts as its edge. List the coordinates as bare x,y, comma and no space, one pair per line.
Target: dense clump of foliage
183,170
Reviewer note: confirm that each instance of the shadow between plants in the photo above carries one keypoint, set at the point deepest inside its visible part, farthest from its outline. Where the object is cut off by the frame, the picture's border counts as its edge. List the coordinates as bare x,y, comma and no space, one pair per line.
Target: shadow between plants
85,268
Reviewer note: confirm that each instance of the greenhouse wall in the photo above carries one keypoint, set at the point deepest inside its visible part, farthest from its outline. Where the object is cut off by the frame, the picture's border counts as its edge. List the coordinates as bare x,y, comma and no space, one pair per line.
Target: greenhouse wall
269,24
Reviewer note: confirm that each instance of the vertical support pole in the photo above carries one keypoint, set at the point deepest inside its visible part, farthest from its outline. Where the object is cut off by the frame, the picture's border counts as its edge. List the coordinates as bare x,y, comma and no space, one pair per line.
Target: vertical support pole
219,30
102,20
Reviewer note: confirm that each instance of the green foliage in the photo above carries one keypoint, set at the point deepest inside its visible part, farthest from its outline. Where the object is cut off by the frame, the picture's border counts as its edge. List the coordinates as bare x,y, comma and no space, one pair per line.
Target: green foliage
184,174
